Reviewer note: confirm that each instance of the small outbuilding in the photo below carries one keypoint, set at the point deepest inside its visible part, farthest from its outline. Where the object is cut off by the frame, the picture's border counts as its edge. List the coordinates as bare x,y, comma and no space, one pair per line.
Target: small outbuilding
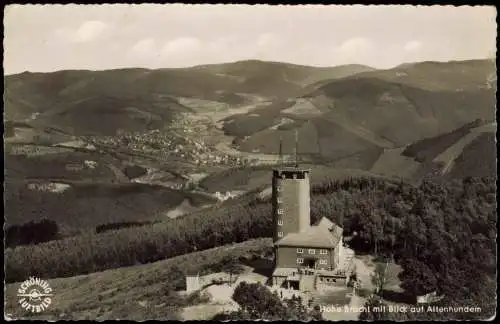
192,282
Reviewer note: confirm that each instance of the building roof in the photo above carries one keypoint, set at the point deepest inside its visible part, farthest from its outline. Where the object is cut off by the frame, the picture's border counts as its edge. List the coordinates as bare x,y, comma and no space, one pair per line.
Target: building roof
324,234
325,222
192,273
286,168
284,272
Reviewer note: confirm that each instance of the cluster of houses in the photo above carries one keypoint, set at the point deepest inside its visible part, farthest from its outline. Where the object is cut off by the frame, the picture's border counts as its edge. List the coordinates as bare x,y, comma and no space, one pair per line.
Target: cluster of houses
171,144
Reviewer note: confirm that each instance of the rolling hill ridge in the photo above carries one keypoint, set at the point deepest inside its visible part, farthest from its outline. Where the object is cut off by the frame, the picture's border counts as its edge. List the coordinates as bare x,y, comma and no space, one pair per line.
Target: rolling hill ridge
382,108
102,102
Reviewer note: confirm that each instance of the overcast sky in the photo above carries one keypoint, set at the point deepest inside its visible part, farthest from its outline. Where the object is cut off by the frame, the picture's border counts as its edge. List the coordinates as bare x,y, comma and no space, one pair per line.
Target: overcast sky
97,37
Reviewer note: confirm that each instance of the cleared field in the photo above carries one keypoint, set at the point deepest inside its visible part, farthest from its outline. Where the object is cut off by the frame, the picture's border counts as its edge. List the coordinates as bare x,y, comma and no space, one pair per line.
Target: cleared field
303,107
137,292
267,140
237,179
392,163
363,160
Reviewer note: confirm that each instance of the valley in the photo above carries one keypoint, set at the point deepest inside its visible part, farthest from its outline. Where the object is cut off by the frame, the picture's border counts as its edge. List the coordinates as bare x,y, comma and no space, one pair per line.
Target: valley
136,166
231,135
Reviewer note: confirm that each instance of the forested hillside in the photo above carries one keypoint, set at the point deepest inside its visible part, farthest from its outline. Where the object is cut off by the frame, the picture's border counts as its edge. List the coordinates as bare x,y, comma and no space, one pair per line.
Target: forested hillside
444,234
85,205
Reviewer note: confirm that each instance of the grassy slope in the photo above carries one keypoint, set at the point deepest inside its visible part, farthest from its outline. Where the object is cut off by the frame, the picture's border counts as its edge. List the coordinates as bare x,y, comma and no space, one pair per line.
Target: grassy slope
363,160
258,119
392,163
115,294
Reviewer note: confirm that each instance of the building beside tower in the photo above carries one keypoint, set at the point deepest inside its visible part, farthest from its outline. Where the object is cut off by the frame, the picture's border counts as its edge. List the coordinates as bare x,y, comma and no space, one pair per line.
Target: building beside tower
307,257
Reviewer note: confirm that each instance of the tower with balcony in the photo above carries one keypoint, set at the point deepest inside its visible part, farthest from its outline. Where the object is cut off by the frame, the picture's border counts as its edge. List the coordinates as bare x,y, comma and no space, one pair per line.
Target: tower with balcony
290,200
290,197
307,256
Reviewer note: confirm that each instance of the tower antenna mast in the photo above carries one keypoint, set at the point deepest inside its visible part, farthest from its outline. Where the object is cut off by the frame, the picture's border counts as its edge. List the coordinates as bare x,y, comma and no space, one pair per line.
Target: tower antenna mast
280,158
296,148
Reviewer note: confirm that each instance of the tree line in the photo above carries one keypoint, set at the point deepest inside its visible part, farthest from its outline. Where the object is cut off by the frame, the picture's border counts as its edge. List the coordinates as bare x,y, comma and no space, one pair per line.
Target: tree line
33,232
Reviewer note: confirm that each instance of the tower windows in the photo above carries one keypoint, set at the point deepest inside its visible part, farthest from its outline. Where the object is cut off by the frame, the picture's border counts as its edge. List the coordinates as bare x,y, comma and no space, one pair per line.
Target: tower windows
280,234
280,222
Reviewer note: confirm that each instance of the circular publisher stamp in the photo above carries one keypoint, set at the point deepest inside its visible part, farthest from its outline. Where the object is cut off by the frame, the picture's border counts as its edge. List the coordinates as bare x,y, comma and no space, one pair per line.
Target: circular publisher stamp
35,295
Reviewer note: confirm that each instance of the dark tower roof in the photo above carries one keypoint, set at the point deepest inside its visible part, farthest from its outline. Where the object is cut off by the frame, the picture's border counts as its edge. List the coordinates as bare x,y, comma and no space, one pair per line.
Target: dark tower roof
288,172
